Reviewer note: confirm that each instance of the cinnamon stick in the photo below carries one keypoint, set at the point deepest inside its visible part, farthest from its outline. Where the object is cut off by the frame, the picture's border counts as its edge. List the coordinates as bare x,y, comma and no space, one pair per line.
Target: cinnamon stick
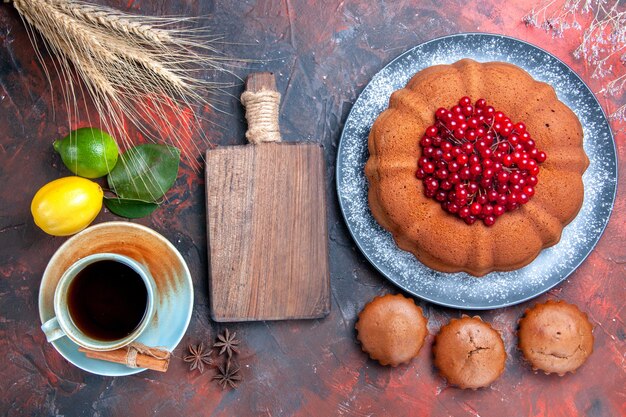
121,356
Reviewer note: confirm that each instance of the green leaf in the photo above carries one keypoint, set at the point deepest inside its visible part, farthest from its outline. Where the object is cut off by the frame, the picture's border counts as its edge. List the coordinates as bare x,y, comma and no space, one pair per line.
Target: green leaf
145,172
131,209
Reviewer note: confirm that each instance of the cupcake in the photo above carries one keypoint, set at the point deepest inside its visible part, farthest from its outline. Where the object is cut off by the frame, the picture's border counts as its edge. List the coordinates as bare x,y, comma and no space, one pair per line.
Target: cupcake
469,353
555,337
391,329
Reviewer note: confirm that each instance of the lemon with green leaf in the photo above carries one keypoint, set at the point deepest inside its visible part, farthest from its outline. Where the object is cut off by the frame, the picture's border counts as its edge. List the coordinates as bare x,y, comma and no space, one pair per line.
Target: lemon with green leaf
88,152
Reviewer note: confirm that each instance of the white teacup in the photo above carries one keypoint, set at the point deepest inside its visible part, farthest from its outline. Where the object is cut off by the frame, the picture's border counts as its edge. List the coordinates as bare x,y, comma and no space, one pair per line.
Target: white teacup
63,325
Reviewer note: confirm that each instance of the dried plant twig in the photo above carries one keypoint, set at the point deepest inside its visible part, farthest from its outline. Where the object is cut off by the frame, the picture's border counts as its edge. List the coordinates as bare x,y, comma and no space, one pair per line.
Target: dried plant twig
603,42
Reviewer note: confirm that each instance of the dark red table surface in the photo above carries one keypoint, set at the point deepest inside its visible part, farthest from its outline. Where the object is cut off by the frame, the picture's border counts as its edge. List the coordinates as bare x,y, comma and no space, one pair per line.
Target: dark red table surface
324,53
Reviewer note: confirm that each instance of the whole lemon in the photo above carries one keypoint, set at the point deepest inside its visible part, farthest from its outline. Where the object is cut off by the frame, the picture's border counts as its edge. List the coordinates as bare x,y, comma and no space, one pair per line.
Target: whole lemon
66,206
88,152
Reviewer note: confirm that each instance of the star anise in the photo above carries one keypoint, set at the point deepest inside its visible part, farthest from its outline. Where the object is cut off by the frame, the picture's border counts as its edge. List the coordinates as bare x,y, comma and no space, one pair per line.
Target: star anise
198,357
228,375
227,342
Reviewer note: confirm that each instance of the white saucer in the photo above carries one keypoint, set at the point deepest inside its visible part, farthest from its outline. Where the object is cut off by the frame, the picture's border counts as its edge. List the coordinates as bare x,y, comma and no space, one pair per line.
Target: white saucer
167,266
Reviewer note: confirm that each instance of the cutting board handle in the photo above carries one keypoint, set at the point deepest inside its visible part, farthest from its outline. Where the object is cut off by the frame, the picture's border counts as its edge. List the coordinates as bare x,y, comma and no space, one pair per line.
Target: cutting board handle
262,101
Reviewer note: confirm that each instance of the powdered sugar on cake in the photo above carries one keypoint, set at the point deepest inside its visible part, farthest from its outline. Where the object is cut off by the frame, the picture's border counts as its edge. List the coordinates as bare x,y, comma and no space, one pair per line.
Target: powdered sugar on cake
498,288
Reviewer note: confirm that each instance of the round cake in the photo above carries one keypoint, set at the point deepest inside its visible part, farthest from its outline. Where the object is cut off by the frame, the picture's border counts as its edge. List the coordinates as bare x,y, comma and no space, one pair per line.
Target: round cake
555,337
469,353
391,329
542,189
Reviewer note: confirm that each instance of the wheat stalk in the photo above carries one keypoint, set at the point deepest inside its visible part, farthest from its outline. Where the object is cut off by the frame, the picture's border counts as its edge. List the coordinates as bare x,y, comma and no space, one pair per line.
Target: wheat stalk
138,69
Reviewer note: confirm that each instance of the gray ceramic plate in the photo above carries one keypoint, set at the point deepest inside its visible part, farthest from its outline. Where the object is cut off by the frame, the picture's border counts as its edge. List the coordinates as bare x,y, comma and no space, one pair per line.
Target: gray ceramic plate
497,289
167,266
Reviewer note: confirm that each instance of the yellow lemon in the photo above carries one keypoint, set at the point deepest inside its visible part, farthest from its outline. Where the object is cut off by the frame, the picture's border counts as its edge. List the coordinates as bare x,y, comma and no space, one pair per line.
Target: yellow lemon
66,206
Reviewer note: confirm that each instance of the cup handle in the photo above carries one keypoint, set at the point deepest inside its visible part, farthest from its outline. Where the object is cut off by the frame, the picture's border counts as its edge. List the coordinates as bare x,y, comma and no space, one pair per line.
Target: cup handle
52,329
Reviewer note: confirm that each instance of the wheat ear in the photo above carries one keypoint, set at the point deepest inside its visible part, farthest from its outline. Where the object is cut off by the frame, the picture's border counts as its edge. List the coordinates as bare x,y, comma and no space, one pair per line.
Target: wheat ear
148,71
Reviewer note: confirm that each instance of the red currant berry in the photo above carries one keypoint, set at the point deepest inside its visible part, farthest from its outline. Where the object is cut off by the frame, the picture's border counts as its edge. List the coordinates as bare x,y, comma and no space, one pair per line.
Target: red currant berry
522,198
492,195
431,183
481,145
476,170
442,174
499,210
541,157
476,208
432,131
470,219
468,148
465,101
514,179
473,122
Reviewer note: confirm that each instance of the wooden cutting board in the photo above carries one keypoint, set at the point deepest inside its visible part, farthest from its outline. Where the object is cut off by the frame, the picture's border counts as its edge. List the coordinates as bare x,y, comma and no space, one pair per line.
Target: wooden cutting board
266,208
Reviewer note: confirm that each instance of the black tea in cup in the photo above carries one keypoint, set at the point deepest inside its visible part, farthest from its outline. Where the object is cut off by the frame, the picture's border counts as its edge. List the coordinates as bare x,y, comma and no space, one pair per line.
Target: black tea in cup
107,300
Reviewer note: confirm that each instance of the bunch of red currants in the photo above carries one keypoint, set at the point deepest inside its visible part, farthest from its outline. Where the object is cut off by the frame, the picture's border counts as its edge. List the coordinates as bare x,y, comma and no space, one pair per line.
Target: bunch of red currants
477,163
